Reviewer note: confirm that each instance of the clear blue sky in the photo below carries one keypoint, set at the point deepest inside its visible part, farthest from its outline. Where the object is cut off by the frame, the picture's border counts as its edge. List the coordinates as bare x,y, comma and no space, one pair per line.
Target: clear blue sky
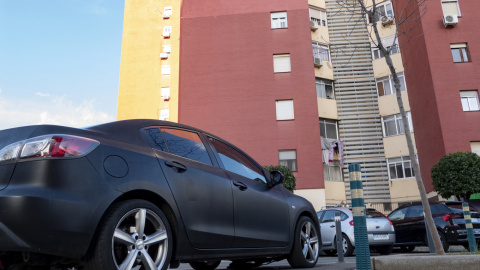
59,61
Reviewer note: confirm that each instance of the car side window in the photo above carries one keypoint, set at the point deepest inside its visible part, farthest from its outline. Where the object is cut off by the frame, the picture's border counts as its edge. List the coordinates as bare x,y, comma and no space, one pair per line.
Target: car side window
439,209
328,217
343,216
398,214
236,162
155,139
416,211
185,144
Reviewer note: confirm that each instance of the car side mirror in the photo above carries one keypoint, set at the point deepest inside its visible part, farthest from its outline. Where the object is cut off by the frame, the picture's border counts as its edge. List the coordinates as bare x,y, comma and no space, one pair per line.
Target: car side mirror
276,177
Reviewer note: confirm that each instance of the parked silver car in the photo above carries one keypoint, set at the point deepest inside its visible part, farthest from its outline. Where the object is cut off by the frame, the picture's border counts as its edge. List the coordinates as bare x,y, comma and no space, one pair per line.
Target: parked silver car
381,234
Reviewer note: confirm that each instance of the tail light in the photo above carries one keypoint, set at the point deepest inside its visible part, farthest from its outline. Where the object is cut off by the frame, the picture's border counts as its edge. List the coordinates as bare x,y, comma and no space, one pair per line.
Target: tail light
448,217
48,146
351,222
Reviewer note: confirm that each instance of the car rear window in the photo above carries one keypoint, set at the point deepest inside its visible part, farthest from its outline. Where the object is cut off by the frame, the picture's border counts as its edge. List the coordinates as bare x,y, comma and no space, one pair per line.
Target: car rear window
373,214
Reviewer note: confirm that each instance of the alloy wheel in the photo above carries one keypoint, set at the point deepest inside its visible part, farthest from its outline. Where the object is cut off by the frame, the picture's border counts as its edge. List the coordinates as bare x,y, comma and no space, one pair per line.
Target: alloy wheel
309,242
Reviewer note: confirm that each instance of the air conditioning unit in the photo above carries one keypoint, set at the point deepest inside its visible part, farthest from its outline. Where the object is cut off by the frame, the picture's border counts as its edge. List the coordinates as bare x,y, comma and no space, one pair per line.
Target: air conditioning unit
386,20
164,55
166,15
450,20
318,62
313,25
166,34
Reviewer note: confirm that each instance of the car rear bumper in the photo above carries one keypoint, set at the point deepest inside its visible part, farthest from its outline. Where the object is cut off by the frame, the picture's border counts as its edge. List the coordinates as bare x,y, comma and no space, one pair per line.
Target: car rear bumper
381,238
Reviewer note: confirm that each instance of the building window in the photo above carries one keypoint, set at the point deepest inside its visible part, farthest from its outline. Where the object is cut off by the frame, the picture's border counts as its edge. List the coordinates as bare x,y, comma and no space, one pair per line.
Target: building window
278,20
386,85
281,63
284,109
321,51
318,16
324,88
165,93
288,158
383,9
469,100
393,125
328,129
167,30
165,69
475,146
332,172
167,12
164,114
460,52
390,43
400,167
167,48
451,7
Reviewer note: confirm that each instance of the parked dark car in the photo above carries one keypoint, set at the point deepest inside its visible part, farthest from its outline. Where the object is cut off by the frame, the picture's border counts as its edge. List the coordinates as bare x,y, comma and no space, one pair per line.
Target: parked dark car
457,207
143,194
409,223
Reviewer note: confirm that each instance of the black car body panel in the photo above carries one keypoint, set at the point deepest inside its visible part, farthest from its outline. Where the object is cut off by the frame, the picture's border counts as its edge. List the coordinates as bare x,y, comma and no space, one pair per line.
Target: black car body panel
55,206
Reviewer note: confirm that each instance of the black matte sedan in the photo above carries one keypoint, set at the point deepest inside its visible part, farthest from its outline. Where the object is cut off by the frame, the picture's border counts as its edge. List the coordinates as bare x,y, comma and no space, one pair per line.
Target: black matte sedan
143,194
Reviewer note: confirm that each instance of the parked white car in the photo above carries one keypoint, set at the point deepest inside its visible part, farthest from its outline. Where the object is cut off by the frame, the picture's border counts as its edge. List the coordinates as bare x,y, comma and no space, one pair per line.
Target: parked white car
381,234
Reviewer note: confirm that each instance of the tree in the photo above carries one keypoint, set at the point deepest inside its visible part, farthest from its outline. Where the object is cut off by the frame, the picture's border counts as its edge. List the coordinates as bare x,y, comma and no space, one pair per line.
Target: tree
457,174
290,181
408,13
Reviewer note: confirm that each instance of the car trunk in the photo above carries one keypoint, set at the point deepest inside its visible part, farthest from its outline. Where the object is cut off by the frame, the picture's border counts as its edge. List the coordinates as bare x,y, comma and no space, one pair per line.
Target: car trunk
7,137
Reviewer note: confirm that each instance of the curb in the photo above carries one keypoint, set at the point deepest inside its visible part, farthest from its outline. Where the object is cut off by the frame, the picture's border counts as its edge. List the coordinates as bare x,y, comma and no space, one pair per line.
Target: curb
412,262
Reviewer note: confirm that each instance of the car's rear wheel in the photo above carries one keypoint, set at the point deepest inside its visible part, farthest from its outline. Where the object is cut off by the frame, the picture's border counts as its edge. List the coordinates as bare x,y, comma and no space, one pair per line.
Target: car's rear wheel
347,246
134,233
305,246
205,265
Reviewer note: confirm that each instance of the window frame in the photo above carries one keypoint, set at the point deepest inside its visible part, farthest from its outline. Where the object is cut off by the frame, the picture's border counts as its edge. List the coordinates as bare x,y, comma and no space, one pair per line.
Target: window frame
322,19
473,96
402,162
278,67
458,7
324,82
282,116
330,173
319,50
277,16
378,15
462,51
391,84
294,168
326,122
393,47
397,118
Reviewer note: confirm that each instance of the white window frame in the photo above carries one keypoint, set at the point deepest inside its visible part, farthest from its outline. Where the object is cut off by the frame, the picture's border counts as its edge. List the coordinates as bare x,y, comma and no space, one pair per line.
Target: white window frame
397,119
388,80
164,114
321,51
320,87
281,63
330,172
462,51
475,146
450,1
390,43
167,48
279,20
168,10
470,100
166,69
326,122
318,15
165,93
285,109
403,162
385,12
288,158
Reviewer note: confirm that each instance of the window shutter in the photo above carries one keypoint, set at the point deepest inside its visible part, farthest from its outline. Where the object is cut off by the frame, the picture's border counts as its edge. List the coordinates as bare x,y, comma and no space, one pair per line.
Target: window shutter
284,109
287,154
450,8
281,63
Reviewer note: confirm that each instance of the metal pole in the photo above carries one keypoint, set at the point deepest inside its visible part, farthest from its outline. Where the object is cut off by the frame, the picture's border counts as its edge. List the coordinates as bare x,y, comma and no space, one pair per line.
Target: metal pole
431,245
362,249
338,226
468,224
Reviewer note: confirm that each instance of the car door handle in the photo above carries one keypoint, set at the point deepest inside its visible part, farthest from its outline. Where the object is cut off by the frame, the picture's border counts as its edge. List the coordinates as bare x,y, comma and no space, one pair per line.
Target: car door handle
173,164
332,226
240,185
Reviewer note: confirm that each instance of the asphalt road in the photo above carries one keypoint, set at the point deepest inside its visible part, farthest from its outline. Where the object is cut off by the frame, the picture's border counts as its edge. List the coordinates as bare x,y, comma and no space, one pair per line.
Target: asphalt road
327,262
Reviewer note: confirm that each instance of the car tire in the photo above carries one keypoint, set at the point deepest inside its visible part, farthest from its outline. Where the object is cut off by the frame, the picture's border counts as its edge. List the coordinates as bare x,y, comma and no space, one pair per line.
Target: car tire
347,246
304,253
133,233
205,265
407,249
384,250
444,242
